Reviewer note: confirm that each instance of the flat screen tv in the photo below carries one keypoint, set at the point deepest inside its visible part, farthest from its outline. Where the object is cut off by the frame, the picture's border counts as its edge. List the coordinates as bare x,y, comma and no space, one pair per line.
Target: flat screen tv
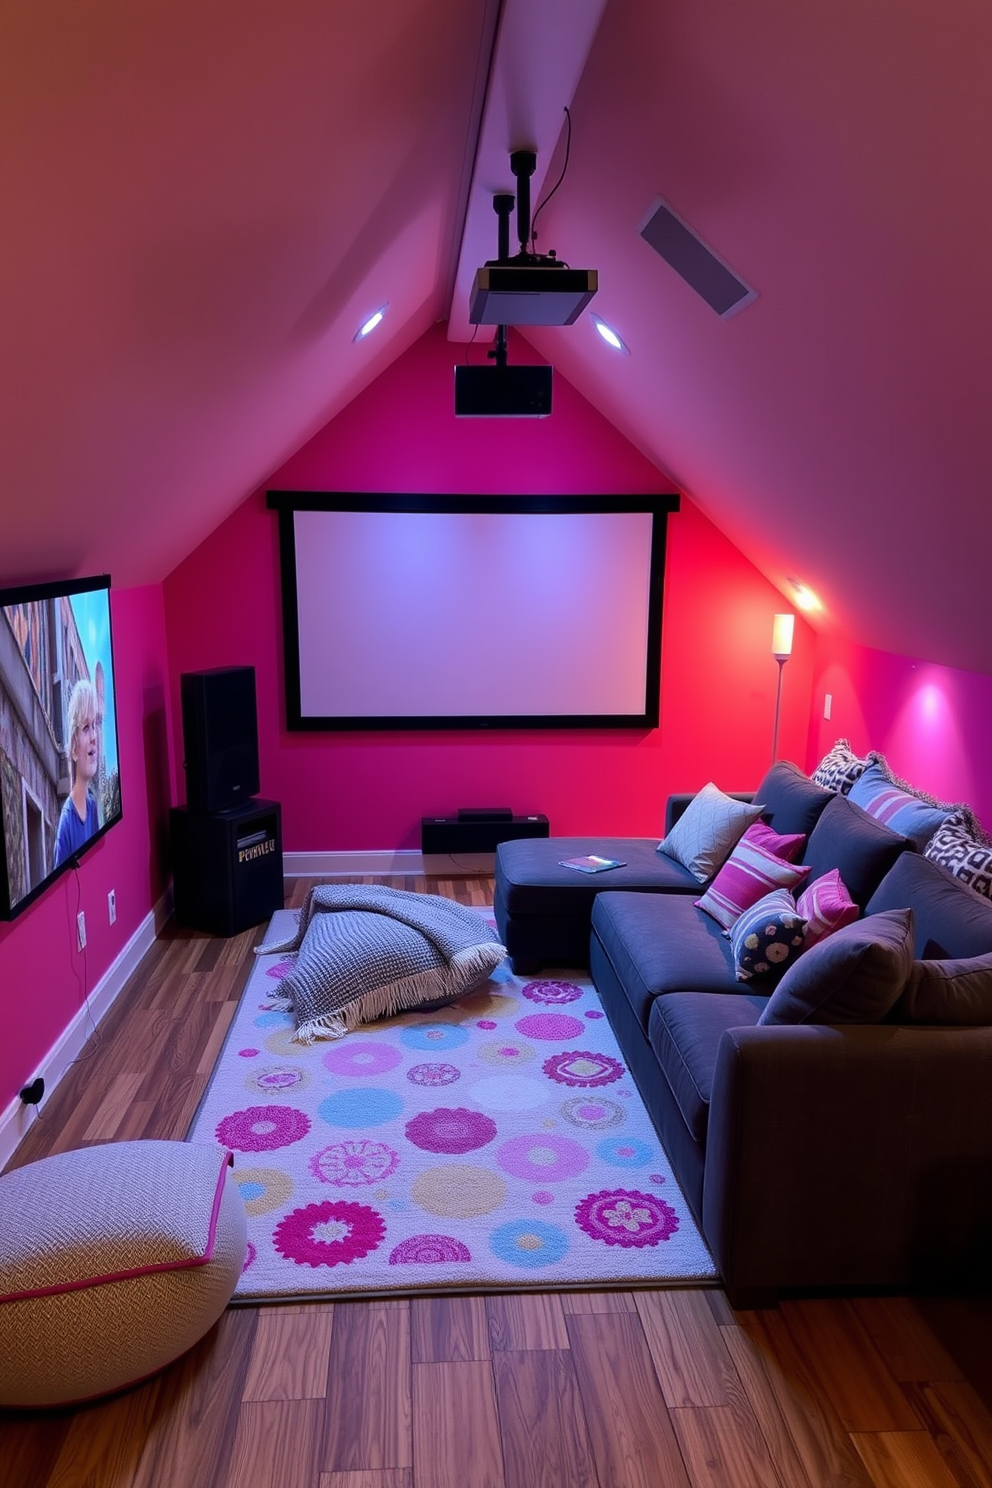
429,612
59,769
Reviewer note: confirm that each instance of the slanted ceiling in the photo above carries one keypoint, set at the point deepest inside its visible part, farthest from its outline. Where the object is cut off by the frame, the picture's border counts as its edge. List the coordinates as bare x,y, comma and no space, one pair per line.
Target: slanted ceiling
202,200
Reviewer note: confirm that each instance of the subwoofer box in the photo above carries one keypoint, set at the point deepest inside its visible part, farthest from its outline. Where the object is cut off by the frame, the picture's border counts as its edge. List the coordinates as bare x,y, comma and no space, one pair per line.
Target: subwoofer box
452,834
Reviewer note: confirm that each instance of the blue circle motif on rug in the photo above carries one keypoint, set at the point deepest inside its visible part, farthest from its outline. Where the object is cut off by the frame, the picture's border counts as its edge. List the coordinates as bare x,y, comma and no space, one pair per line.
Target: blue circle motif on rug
274,1019
333,1233
360,1107
435,1036
529,1243
625,1152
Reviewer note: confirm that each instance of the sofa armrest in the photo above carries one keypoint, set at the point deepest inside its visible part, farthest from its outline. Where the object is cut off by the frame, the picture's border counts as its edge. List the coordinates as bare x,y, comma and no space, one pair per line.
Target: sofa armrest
676,804
842,1156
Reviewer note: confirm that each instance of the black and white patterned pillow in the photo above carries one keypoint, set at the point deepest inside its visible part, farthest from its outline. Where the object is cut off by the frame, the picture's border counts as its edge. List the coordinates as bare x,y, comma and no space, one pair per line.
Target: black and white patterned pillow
962,853
840,768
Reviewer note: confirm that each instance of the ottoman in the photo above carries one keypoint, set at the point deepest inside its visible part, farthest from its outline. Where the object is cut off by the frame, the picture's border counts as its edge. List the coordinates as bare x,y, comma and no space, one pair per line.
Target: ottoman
114,1260
543,910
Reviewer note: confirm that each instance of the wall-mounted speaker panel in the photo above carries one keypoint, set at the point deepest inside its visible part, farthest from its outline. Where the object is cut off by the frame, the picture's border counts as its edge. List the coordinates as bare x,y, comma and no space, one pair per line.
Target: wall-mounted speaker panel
702,269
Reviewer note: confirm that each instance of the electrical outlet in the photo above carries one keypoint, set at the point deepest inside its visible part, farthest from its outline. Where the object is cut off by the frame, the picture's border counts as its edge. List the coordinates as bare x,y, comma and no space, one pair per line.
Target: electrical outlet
112,905
828,703
81,930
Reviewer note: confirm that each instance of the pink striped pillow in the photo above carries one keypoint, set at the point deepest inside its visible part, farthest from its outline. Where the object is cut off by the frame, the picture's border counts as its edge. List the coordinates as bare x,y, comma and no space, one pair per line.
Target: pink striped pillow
825,906
752,871
784,845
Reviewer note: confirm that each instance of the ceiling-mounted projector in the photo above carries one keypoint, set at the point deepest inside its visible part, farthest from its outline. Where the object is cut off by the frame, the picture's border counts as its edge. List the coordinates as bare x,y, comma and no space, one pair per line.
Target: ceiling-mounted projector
530,293
531,288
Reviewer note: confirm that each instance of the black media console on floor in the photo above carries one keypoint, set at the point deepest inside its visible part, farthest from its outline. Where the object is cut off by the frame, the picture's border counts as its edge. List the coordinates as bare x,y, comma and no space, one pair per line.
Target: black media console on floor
475,832
227,866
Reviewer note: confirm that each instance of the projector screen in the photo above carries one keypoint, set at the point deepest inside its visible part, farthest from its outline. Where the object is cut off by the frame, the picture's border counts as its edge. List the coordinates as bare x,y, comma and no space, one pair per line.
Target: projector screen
432,613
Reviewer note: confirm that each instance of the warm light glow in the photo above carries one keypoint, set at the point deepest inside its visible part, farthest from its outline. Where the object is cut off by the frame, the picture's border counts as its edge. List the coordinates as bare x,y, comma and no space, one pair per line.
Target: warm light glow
609,335
782,629
370,324
805,598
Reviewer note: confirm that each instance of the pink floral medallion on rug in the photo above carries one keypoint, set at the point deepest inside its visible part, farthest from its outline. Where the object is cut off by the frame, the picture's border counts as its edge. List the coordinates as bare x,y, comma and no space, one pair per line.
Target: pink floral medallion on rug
495,1144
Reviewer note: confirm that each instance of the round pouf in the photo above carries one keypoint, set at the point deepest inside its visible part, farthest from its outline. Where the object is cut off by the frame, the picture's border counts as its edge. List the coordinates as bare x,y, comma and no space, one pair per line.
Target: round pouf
114,1260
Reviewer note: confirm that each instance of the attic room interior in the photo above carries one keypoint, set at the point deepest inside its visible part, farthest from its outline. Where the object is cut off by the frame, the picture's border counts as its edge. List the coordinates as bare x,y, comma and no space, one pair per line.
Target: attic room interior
240,264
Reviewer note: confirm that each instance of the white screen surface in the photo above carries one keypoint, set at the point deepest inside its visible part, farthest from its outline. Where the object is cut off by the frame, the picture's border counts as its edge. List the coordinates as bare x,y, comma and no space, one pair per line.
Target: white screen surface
424,618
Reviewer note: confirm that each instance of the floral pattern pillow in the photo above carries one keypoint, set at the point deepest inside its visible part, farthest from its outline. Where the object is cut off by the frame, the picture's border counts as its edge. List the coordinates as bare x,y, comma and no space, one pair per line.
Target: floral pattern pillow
768,937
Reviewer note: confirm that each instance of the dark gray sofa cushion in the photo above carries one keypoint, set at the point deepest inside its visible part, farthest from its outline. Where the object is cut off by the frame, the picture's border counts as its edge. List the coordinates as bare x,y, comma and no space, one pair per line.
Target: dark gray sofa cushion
853,976
531,880
792,801
662,943
955,993
685,1029
848,839
951,919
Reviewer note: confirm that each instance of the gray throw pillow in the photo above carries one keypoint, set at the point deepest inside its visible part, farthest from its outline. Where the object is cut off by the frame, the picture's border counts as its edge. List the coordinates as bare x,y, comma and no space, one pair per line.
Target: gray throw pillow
854,976
708,831
953,992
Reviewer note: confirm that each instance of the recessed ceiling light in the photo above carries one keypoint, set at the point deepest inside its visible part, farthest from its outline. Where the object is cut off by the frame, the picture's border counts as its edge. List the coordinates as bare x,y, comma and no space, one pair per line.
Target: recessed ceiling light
369,325
609,335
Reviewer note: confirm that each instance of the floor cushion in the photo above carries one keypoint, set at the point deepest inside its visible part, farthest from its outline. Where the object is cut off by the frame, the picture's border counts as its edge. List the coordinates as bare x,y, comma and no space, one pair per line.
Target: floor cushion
114,1260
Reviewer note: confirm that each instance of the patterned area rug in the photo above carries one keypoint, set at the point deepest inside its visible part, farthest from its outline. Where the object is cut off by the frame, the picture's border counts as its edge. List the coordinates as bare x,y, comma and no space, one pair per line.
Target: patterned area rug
496,1144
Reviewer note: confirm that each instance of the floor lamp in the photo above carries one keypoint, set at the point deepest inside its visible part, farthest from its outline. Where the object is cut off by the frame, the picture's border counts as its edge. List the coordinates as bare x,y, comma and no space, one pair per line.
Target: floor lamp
782,628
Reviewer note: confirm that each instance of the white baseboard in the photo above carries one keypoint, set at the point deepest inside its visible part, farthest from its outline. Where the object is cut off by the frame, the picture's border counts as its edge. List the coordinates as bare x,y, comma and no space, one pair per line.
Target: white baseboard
383,864
18,1117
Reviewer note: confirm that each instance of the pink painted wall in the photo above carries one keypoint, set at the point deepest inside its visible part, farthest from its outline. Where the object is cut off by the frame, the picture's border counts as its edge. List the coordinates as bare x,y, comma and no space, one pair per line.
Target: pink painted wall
44,980
929,721
369,791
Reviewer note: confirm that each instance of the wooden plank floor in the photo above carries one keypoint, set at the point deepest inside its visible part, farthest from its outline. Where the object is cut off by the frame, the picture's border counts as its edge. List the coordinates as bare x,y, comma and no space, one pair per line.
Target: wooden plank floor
646,1389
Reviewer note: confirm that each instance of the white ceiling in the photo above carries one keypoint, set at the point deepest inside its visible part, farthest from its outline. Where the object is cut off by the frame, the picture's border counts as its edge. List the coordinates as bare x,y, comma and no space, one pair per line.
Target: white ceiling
201,201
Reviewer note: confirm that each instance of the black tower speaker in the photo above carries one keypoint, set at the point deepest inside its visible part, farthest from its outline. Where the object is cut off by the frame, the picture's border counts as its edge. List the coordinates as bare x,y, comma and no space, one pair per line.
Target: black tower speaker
220,737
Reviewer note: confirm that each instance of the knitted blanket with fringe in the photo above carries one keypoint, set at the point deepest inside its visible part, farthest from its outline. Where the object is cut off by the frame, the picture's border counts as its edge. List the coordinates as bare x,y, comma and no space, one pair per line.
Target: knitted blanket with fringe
365,952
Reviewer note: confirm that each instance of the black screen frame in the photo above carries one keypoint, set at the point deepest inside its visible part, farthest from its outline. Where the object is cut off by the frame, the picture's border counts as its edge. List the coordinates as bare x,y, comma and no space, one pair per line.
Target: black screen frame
287,503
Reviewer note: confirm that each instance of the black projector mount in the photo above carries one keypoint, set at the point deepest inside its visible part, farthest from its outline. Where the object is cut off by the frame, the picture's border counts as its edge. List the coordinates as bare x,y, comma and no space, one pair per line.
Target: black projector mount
529,288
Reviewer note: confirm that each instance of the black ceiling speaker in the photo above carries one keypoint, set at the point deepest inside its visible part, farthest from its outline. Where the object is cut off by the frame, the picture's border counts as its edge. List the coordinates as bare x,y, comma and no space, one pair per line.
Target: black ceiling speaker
530,288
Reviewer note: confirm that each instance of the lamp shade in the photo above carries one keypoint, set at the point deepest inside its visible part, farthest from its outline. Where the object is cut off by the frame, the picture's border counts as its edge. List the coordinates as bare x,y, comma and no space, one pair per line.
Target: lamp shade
782,629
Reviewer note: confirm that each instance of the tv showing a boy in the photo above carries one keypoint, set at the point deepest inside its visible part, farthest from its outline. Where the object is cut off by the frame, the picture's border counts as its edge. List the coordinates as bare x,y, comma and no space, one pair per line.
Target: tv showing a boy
79,818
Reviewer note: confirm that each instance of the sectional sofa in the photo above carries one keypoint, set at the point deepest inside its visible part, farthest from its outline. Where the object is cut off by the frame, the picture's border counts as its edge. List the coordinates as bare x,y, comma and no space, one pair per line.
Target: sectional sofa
828,1116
